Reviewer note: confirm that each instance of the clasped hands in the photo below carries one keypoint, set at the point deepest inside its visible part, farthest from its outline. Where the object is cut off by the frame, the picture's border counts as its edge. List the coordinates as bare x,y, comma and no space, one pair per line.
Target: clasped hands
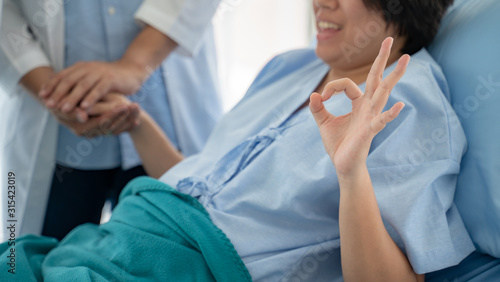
89,97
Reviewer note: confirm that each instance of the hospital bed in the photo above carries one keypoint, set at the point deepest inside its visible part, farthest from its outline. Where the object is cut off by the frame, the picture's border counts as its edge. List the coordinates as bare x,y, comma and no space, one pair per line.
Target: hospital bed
468,49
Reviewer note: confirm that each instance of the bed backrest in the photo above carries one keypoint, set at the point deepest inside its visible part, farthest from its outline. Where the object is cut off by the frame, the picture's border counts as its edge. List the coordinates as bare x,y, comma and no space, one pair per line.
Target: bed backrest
468,49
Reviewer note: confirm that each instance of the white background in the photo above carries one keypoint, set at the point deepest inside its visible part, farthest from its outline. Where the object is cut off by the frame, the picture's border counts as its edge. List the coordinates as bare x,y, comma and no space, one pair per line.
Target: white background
250,33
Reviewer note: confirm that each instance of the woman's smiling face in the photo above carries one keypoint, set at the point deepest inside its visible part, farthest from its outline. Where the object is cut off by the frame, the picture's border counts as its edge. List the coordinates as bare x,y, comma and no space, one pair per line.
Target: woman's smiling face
349,34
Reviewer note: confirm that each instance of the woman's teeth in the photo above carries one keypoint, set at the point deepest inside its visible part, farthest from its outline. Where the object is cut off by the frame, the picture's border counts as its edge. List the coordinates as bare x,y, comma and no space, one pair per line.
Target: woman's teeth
327,25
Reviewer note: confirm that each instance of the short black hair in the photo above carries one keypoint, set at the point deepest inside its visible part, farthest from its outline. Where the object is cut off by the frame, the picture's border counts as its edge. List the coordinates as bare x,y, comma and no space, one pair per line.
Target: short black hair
418,20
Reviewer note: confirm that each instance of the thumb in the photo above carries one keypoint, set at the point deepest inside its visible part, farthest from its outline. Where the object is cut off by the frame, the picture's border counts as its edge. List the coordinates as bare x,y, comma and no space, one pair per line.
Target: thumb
317,108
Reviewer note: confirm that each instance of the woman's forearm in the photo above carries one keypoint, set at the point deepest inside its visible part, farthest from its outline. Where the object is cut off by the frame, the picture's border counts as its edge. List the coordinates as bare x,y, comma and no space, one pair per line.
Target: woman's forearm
157,153
368,252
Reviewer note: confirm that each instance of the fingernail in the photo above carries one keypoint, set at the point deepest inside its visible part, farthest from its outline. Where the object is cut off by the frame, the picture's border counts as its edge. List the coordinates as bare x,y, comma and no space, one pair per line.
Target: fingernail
80,118
85,104
50,103
66,107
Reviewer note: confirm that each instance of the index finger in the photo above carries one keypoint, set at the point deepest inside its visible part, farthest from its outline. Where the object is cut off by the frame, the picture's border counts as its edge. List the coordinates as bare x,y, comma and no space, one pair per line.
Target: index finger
345,85
48,87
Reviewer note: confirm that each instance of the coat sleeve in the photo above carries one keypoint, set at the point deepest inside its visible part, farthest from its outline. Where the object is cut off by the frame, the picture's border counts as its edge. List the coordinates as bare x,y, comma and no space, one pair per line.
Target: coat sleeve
20,52
184,21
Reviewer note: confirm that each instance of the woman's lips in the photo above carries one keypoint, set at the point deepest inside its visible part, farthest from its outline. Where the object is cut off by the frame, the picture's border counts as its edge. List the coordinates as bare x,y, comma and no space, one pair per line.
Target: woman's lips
327,30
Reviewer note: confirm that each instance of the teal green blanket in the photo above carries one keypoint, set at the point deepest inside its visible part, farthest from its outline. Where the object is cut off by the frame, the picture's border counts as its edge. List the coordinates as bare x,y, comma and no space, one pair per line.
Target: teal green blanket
154,234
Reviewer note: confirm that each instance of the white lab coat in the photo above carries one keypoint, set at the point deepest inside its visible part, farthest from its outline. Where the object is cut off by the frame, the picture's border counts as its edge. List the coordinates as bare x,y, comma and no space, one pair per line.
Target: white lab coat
32,35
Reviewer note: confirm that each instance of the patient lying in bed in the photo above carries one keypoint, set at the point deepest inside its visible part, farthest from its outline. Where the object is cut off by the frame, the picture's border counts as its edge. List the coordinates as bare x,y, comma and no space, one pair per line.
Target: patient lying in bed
353,187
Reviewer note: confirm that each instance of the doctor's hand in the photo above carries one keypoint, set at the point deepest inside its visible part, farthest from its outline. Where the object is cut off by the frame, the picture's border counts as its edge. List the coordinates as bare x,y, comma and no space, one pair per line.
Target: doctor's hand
85,83
113,114
347,138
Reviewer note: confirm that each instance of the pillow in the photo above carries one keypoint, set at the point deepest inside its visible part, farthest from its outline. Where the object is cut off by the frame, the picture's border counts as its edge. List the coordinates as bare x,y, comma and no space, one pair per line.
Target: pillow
468,49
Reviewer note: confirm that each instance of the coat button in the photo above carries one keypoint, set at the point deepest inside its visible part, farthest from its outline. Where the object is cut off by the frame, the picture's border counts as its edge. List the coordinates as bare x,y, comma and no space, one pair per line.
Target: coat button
111,10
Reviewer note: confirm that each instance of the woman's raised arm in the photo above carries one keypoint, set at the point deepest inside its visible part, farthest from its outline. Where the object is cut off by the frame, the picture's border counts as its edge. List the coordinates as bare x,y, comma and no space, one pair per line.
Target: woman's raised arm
368,252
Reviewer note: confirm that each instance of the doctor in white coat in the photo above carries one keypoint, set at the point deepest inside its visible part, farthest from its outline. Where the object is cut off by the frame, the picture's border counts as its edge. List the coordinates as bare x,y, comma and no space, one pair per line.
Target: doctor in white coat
32,36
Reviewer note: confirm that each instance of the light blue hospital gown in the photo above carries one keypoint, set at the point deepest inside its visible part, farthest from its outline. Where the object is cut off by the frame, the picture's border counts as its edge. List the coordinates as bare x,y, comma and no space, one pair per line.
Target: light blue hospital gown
267,182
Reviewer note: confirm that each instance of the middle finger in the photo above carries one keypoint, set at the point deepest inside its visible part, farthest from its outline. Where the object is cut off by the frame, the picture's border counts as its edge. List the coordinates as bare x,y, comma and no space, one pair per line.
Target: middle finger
377,70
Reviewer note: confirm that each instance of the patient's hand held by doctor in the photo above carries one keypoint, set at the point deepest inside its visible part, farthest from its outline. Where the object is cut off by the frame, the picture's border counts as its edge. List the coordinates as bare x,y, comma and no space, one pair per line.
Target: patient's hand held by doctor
85,83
